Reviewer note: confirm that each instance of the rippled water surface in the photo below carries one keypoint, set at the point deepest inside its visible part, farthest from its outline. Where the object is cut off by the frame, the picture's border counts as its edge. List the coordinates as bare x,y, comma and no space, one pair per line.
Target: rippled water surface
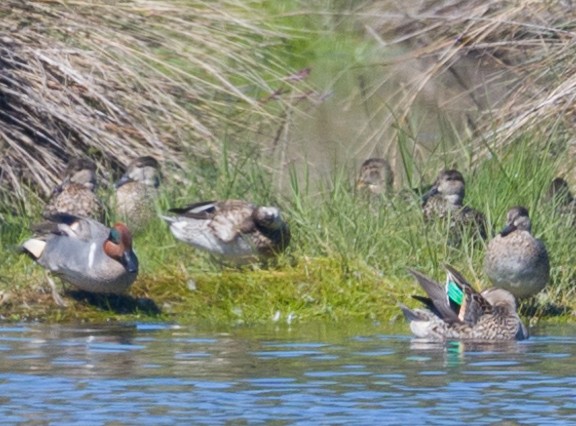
322,373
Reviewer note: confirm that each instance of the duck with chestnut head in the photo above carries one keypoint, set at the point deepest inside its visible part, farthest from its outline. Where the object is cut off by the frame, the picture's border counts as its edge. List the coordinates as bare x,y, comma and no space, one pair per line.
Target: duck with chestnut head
85,253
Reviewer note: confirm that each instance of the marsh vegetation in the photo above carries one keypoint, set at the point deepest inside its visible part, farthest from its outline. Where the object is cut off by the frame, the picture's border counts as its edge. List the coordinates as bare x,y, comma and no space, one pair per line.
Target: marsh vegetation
279,102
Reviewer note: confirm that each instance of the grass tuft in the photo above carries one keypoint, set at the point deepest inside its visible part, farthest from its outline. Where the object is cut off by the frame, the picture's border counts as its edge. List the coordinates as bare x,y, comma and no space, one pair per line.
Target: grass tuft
200,86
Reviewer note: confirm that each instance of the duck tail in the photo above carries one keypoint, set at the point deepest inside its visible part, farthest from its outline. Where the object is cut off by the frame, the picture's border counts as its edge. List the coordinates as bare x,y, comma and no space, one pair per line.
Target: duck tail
409,314
34,247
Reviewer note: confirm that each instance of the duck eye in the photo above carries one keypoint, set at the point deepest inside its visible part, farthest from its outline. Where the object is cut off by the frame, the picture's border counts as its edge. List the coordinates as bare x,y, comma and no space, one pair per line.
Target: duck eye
114,236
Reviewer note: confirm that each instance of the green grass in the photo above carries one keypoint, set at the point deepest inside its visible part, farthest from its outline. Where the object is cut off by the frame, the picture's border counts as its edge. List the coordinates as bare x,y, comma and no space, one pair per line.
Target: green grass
350,255
348,259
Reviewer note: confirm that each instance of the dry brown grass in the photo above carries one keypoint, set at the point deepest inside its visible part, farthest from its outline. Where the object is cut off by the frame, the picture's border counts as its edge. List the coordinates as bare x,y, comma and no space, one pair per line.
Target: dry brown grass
120,79
115,80
509,66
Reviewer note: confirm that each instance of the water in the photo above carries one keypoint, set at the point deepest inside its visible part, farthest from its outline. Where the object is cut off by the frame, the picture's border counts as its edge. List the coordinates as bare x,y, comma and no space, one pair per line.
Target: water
320,373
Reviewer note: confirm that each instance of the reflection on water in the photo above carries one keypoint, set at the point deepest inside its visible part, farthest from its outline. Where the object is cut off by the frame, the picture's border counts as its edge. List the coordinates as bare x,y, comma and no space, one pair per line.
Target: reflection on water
322,373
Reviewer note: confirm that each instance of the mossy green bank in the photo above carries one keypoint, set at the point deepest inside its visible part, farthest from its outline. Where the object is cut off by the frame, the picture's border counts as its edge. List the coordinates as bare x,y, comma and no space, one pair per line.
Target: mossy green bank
235,104
349,257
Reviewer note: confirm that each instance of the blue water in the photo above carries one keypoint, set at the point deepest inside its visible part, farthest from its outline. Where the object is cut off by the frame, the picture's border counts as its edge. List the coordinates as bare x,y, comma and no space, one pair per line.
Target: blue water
322,373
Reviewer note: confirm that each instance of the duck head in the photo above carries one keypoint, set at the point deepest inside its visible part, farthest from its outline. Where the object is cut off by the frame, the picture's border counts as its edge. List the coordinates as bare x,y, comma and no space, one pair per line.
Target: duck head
268,217
118,246
450,185
559,192
516,219
376,175
145,170
80,171
498,297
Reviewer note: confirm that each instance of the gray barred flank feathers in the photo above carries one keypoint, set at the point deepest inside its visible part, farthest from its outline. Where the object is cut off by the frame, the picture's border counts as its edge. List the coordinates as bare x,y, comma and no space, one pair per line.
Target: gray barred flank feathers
85,253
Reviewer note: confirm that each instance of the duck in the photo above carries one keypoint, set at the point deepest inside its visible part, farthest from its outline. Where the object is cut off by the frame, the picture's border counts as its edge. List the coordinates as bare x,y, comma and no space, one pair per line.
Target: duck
375,176
136,193
76,195
445,200
458,312
515,260
561,197
234,231
84,253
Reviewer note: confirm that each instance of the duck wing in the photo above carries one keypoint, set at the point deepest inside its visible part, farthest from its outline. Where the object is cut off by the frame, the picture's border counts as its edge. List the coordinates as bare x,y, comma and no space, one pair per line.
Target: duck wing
203,210
463,299
436,298
72,226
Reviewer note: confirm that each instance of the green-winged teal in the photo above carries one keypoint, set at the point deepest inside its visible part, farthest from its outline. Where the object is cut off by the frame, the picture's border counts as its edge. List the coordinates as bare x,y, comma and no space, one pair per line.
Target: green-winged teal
561,197
234,230
85,253
515,260
137,192
445,201
375,176
458,312
75,195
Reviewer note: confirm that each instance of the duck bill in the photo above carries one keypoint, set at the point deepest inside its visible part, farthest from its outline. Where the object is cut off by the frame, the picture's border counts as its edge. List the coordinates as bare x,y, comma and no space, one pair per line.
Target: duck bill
58,189
130,261
123,180
431,192
507,230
